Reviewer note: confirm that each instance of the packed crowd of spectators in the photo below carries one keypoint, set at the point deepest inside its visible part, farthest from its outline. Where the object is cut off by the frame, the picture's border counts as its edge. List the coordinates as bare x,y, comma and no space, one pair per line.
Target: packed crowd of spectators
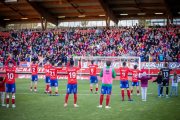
160,45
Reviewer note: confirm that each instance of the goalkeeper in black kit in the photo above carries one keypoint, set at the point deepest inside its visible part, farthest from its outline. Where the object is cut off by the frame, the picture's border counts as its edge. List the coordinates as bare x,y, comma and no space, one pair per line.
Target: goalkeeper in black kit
165,79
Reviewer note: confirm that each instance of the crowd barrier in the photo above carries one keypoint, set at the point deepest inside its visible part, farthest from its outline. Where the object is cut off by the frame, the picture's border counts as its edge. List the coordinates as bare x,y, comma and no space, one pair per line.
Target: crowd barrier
149,67
25,72
79,77
83,71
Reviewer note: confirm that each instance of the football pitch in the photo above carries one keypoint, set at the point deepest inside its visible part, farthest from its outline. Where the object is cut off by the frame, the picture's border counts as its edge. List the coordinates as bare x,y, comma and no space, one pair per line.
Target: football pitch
41,106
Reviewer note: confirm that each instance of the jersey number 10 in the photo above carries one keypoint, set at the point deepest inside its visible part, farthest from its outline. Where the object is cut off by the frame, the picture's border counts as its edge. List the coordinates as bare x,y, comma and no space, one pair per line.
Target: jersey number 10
10,75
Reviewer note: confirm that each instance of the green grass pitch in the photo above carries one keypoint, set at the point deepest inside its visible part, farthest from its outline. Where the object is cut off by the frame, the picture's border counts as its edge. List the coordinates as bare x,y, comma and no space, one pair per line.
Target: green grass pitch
41,106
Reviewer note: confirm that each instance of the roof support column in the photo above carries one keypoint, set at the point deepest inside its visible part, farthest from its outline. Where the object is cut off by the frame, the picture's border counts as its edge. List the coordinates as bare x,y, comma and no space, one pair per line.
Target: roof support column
116,24
171,19
167,20
108,12
43,24
43,12
168,12
107,21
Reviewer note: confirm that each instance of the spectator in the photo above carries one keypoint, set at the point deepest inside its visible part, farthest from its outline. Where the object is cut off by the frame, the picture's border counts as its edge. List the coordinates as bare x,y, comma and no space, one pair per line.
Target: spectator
162,45
159,80
161,57
174,83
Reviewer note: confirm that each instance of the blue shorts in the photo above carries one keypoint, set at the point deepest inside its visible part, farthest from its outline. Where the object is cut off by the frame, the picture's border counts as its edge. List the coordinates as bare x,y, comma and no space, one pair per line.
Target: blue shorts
47,80
104,89
34,78
54,83
124,84
135,83
93,79
11,88
71,88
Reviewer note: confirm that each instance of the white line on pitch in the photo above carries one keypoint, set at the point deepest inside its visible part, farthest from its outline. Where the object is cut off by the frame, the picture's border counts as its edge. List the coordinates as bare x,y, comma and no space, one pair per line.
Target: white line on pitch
77,94
64,89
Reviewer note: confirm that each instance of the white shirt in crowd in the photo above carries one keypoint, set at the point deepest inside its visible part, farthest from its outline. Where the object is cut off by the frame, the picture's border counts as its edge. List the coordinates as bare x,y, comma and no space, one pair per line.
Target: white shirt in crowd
175,82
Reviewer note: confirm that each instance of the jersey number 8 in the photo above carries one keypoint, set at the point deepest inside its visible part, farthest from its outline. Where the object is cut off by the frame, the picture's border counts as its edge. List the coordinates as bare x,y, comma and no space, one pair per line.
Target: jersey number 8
135,75
47,70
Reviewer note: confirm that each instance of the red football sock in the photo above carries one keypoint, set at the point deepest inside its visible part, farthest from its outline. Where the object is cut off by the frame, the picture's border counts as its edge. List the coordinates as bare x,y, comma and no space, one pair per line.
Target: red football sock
47,88
13,99
91,89
96,89
131,91
128,93
31,87
66,98
122,92
35,88
56,92
75,98
137,91
107,100
49,92
110,93
101,98
7,100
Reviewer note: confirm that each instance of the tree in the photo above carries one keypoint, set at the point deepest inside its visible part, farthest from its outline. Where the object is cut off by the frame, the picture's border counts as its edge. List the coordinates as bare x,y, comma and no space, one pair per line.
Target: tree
84,23
145,22
14,26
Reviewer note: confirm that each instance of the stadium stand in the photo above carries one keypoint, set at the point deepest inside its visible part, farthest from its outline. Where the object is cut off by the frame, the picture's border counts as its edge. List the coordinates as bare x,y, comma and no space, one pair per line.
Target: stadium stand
58,45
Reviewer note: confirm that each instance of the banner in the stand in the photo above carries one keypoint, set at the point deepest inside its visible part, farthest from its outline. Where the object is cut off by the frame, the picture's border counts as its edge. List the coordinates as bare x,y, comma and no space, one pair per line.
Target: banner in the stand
25,64
154,65
146,65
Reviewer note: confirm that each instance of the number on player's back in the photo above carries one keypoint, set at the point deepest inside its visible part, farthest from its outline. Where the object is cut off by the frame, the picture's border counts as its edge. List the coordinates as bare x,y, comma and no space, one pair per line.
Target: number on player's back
123,74
92,71
166,74
10,75
72,74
